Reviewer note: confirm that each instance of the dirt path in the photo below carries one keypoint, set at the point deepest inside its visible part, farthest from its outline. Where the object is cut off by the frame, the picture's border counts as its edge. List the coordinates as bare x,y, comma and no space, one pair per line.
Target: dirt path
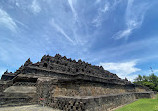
28,108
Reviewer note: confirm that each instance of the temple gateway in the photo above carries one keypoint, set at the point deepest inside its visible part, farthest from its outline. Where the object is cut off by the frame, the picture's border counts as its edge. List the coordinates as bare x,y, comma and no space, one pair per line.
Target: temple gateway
67,85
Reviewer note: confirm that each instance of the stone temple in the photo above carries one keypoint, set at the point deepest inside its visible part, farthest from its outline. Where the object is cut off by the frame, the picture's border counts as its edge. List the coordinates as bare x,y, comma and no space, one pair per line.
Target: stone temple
67,85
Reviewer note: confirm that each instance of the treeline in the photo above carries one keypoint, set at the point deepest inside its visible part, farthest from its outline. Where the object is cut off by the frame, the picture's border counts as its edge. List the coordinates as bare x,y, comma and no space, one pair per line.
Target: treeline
150,81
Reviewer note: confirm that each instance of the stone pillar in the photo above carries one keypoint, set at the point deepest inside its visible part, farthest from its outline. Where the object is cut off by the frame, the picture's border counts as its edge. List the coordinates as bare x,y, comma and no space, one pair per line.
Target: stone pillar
45,86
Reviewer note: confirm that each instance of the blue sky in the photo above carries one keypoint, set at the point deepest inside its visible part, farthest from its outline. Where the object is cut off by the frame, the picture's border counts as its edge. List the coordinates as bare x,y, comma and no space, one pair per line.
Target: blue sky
120,35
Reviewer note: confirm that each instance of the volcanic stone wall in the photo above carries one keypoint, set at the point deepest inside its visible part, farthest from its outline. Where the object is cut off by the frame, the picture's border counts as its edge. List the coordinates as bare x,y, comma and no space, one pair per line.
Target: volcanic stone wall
84,88
45,87
87,89
85,96
16,101
98,103
66,66
4,85
41,72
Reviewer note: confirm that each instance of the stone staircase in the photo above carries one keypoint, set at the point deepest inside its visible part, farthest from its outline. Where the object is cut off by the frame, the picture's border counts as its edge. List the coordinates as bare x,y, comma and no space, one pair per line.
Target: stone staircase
17,98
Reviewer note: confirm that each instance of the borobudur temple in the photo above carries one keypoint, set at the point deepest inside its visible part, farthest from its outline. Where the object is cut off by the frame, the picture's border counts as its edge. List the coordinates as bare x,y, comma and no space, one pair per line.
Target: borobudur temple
68,85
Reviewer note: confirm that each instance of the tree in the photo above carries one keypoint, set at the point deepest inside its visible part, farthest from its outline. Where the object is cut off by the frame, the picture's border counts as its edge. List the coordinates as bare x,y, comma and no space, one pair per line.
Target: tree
138,80
149,84
156,88
153,78
150,81
145,78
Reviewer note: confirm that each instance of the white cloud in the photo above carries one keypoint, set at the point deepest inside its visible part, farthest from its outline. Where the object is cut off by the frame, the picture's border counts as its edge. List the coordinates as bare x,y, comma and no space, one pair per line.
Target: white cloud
133,18
22,24
58,28
97,21
105,8
123,69
73,9
124,33
35,8
155,70
7,21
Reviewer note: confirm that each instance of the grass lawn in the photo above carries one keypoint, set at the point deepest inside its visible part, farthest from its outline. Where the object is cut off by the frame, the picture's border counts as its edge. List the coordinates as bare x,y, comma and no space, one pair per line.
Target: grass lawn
141,105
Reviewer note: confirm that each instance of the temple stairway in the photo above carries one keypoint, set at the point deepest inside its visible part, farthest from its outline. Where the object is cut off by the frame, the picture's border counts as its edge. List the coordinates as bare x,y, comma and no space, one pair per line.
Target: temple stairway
18,95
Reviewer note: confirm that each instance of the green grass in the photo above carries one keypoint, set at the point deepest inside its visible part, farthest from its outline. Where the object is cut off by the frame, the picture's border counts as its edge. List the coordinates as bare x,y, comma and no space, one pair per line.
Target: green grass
141,105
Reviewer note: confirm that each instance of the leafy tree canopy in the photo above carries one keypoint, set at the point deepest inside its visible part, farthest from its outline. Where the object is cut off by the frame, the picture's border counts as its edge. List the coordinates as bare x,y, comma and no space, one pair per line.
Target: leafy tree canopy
150,81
